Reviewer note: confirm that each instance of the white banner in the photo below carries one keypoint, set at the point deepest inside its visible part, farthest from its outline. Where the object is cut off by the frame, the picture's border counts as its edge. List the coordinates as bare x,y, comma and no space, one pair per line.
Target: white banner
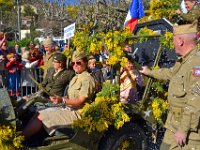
69,31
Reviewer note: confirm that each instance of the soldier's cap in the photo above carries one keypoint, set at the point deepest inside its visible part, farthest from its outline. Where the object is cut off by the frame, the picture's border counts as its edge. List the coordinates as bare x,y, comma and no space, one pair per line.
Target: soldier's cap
48,42
185,29
59,57
78,55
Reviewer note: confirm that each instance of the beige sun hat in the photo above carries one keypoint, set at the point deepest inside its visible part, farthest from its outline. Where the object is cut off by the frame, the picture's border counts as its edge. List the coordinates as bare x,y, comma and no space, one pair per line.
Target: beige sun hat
48,41
78,55
185,29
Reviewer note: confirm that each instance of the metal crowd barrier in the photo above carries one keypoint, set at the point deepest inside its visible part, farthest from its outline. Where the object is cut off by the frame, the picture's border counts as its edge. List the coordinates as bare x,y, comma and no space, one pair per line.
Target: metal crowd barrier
24,90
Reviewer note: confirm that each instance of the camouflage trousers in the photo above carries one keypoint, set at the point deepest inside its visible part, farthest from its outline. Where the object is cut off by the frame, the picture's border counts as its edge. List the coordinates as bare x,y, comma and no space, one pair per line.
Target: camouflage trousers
170,144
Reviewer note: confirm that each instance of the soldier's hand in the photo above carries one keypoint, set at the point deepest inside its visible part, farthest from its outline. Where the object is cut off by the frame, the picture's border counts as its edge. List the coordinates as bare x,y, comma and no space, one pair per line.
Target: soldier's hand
65,99
144,70
56,99
180,138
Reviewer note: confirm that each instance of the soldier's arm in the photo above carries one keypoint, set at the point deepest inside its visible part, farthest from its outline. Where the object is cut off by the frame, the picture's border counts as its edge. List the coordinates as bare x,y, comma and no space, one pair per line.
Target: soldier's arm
162,73
191,111
86,91
77,102
88,88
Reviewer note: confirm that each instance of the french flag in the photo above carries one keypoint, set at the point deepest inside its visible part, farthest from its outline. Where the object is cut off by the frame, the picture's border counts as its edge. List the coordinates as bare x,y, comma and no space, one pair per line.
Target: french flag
135,12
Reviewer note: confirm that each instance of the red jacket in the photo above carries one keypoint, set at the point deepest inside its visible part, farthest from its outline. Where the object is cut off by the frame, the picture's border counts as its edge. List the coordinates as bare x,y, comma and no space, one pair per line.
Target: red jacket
13,66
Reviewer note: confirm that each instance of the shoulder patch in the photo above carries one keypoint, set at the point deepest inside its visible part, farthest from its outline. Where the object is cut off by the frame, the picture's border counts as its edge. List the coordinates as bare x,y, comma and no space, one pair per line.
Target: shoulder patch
196,89
196,71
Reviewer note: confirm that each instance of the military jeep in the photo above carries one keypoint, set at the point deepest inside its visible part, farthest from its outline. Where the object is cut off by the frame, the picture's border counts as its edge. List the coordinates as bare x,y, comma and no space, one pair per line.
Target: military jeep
134,135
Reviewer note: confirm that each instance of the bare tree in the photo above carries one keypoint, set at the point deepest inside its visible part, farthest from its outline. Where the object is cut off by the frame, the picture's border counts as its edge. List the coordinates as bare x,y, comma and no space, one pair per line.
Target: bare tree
106,14
103,14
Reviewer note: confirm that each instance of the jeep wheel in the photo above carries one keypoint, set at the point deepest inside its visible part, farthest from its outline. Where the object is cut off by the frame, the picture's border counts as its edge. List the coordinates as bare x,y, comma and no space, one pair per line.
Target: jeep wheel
129,137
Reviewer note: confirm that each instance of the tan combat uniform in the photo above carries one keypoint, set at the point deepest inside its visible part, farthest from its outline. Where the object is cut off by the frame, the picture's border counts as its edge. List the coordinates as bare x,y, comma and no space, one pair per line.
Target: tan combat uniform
48,59
184,100
81,85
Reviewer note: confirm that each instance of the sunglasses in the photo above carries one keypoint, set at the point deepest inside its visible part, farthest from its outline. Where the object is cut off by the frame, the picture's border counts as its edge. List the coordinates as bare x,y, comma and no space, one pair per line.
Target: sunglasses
77,63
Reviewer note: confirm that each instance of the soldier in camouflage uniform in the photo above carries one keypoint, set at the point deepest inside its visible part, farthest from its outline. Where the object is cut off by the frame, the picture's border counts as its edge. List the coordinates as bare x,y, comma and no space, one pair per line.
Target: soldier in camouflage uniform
193,12
182,124
81,89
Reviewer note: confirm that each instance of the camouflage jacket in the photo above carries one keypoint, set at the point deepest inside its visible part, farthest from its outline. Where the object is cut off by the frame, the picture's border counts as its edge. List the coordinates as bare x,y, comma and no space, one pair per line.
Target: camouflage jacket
192,15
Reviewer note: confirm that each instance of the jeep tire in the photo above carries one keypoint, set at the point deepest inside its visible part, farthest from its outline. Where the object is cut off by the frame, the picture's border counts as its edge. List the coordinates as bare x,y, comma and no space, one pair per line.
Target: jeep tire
130,133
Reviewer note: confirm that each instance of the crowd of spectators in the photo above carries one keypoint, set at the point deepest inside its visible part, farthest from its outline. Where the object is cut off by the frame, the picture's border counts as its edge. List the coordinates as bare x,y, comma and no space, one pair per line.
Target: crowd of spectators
16,64
19,63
